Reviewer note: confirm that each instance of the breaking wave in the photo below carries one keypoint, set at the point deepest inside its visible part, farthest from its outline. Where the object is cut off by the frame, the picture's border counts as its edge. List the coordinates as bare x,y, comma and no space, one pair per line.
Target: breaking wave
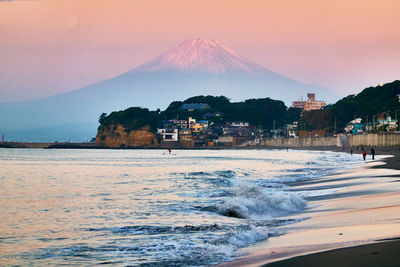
253,199
187,245
255,203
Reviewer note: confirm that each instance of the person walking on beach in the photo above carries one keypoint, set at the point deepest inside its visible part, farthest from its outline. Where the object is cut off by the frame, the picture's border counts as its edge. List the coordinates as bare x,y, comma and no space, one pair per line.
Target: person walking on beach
364,155
373,153
351,151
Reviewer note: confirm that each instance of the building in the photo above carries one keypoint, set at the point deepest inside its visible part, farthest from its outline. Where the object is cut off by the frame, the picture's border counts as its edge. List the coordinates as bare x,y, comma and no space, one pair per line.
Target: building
291,129
204,123
354,127
310,104
185,134
179,123
191,122
195,106
387,123
231,140
196,128
212,115
168,135
238,124
299,104
239,131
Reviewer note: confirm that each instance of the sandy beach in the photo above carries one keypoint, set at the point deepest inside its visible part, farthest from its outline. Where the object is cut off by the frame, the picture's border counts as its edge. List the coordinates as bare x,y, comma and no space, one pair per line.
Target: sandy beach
357,224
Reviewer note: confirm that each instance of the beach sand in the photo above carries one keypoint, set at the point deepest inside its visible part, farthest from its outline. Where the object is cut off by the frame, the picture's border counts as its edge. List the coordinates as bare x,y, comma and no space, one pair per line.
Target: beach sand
345,228
378,254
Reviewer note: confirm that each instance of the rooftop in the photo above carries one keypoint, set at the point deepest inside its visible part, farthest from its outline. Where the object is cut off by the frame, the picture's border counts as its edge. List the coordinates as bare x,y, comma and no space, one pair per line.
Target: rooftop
195,106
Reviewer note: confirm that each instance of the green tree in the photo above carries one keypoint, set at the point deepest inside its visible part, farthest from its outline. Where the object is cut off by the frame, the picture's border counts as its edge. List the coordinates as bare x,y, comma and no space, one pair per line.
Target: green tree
102,117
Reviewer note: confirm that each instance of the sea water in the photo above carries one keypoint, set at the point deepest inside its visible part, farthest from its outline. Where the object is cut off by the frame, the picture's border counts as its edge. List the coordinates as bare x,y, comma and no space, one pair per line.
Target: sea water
149,207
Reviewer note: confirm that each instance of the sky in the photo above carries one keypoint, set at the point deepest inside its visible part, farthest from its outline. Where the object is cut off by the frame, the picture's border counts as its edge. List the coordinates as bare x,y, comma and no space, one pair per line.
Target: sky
53,46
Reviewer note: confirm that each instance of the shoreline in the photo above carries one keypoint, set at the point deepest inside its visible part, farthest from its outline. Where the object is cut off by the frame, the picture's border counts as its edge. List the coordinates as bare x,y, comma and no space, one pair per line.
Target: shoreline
381,253
359,222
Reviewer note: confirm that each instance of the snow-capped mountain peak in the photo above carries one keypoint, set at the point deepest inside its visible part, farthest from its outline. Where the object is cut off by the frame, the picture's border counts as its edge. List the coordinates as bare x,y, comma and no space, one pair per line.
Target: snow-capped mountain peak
202,55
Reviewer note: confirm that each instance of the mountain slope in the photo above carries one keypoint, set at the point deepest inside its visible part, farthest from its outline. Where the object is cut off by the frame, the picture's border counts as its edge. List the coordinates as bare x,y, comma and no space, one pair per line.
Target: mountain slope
194,67
202,55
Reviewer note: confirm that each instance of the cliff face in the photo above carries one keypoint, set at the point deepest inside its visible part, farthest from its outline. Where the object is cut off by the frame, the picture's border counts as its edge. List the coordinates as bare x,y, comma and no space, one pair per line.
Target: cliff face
116,136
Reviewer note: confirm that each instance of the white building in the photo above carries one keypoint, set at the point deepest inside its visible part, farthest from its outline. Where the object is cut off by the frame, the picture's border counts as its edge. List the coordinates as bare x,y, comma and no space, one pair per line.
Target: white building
291,129
310,104
238,124
168,134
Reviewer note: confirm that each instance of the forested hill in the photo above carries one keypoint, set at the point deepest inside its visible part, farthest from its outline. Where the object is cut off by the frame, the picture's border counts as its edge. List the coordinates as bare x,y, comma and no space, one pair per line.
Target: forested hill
258,112
368,105
132,118
264,112
268,113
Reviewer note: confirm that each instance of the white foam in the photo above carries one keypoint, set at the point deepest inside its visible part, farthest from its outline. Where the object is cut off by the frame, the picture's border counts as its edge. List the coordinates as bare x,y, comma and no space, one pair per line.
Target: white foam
255,203
241,239
191,250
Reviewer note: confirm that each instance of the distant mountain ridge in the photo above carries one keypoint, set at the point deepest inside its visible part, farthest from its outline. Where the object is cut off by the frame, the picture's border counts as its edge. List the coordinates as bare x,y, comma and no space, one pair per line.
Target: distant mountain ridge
194,67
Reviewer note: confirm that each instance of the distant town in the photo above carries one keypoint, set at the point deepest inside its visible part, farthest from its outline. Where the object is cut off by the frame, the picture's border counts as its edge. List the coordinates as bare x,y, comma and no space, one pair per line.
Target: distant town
203,133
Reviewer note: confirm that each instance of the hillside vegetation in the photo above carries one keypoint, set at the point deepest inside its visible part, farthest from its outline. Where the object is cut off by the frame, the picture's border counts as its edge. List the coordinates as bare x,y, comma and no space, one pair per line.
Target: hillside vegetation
368,105
269,113
263,112
132,118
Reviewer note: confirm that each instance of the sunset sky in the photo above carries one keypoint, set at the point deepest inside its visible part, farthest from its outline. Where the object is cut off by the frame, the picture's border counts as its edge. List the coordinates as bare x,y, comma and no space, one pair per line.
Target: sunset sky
53,46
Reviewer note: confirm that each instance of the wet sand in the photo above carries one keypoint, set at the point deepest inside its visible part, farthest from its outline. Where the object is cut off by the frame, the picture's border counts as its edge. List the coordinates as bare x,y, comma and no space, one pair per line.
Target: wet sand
344,228
377,254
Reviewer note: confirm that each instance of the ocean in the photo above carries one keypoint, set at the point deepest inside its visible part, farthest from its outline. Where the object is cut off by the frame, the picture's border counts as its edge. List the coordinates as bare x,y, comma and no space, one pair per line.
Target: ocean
149,208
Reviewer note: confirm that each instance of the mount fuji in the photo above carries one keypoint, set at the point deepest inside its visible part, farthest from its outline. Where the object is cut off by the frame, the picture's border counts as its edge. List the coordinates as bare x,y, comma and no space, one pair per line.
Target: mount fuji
202,55
194,67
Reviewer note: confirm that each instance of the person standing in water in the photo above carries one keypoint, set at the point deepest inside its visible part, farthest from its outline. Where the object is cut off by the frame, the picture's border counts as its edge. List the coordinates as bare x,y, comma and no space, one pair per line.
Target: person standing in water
351,151
169,151
364,155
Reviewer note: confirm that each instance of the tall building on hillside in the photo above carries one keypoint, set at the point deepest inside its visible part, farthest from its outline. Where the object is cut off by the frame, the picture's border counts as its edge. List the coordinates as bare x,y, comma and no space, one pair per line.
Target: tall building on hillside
299,104
311,96
309,104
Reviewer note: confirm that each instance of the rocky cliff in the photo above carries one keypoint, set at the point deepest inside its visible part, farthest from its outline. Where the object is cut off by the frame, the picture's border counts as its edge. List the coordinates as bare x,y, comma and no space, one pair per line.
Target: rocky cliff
116,136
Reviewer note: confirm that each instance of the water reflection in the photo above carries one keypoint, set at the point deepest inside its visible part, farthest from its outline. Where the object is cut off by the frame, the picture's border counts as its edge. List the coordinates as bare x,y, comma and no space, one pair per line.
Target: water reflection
142,206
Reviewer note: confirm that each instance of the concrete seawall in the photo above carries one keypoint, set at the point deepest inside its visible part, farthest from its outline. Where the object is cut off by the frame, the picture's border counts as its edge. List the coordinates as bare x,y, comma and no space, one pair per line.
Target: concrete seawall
46,145
24,145
302,142
384,139
342,140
